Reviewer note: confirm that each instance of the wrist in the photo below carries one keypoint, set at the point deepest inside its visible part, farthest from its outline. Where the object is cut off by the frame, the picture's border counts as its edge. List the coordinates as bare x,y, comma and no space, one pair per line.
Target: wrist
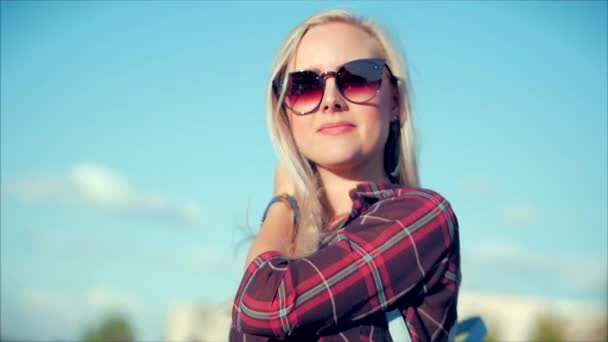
279,211
288,202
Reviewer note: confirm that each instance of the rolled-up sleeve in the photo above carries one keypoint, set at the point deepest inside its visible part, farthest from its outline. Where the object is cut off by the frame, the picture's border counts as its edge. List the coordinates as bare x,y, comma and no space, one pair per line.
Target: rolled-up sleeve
400,250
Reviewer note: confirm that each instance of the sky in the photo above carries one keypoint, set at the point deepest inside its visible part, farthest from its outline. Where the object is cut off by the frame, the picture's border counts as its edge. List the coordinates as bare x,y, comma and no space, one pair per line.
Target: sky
135,158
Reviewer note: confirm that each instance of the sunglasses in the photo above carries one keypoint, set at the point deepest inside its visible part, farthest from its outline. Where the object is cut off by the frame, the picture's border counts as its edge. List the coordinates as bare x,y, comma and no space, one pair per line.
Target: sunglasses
358,81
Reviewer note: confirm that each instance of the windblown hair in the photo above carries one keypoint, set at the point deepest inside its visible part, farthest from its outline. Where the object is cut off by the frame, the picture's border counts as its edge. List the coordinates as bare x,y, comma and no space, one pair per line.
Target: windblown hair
400,152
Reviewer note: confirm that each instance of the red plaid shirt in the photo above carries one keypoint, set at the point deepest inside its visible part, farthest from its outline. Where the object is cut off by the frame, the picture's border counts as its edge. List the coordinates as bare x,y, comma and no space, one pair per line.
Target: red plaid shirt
398,249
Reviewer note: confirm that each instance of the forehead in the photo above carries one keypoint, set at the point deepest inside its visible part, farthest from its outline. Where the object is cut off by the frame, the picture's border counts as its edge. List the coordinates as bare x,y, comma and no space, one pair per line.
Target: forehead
327,46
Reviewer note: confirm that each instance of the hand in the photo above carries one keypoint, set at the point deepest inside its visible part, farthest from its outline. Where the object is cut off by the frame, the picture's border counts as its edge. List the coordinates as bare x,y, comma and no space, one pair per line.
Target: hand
283,181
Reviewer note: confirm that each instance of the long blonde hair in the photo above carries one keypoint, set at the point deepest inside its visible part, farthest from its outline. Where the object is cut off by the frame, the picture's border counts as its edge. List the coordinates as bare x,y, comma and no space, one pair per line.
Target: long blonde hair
309,191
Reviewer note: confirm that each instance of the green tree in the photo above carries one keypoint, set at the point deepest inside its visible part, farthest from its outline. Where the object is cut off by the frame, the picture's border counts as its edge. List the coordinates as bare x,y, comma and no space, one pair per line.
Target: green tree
600,331
548,329
114,327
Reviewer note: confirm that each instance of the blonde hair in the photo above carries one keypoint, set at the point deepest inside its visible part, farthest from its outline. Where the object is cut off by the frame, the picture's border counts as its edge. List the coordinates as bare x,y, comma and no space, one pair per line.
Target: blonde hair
309,191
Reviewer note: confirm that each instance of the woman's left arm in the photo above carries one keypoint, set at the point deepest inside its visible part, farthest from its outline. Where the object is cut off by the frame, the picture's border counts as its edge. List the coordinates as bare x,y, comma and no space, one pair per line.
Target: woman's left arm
400,250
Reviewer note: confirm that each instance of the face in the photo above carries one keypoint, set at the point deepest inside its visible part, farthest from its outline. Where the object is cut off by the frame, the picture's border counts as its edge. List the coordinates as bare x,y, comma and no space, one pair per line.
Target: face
339,134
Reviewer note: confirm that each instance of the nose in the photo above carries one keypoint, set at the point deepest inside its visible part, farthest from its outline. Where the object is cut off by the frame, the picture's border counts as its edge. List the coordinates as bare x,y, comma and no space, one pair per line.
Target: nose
332,98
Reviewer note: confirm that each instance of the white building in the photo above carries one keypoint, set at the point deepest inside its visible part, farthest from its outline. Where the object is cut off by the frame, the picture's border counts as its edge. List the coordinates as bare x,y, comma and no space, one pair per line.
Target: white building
200,323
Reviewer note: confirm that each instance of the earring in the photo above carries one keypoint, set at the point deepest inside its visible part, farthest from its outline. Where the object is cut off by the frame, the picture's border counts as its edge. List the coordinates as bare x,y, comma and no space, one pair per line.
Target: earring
396,122
396,128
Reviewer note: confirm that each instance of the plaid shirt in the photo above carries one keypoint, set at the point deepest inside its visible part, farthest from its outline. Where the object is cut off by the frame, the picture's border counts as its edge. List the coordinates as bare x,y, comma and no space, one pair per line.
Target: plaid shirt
398,249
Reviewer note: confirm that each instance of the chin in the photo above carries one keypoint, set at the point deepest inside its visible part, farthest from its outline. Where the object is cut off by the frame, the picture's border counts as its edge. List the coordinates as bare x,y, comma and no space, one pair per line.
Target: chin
338,153
339,161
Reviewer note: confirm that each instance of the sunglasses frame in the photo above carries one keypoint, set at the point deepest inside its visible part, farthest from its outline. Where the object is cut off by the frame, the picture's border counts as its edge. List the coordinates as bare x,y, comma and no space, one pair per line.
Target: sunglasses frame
276,84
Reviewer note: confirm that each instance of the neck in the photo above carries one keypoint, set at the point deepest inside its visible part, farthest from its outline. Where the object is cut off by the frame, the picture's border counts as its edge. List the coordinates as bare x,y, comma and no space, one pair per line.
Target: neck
337,185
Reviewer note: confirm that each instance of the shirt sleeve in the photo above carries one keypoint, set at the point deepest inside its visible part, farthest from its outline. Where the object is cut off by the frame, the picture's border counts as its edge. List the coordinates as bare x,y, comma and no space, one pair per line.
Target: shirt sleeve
397,252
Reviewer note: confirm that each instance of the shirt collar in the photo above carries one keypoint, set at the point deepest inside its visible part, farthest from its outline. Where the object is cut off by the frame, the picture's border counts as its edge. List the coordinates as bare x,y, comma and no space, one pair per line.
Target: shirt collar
366,194
363,196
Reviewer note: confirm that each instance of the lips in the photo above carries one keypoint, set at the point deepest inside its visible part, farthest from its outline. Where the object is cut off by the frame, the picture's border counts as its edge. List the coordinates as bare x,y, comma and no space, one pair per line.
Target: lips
336,125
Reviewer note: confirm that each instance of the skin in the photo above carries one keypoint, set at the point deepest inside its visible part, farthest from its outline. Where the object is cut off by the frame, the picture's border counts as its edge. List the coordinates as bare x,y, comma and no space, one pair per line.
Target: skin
344,160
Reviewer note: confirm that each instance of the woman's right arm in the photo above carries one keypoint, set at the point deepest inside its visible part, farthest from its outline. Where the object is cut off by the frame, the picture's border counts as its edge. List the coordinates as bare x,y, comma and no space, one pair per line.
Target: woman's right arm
402,249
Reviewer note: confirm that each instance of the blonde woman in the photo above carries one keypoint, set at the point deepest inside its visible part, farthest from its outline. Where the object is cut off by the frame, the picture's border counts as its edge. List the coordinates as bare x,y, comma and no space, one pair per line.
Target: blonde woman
349,236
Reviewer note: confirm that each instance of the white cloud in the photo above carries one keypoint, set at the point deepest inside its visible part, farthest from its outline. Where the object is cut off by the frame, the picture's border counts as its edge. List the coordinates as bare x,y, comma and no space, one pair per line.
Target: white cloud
519,211
95,300
210,258
62,314
59,306
583,273
511,210
101,187
479,185
200,258
100,299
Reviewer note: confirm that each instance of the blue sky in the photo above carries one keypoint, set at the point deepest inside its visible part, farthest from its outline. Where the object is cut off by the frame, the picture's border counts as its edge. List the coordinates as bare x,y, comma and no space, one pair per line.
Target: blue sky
134,147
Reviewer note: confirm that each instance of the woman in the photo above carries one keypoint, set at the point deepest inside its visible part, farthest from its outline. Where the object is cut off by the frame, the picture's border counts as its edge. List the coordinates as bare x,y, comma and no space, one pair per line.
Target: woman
349,235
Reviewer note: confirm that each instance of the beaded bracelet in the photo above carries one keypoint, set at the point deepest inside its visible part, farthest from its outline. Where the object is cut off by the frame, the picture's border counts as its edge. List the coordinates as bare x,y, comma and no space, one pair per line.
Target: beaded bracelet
290,201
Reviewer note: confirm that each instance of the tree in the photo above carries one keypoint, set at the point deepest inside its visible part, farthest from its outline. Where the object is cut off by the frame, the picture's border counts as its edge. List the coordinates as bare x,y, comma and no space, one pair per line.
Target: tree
600,331
548,329
114,327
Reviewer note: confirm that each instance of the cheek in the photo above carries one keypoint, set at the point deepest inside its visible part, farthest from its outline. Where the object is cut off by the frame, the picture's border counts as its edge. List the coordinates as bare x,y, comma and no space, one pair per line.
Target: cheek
377,123
300,129
378,126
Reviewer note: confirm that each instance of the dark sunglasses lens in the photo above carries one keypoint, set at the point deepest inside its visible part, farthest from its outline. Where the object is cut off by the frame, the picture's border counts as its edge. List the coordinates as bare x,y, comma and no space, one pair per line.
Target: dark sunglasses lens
360,80
304,91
